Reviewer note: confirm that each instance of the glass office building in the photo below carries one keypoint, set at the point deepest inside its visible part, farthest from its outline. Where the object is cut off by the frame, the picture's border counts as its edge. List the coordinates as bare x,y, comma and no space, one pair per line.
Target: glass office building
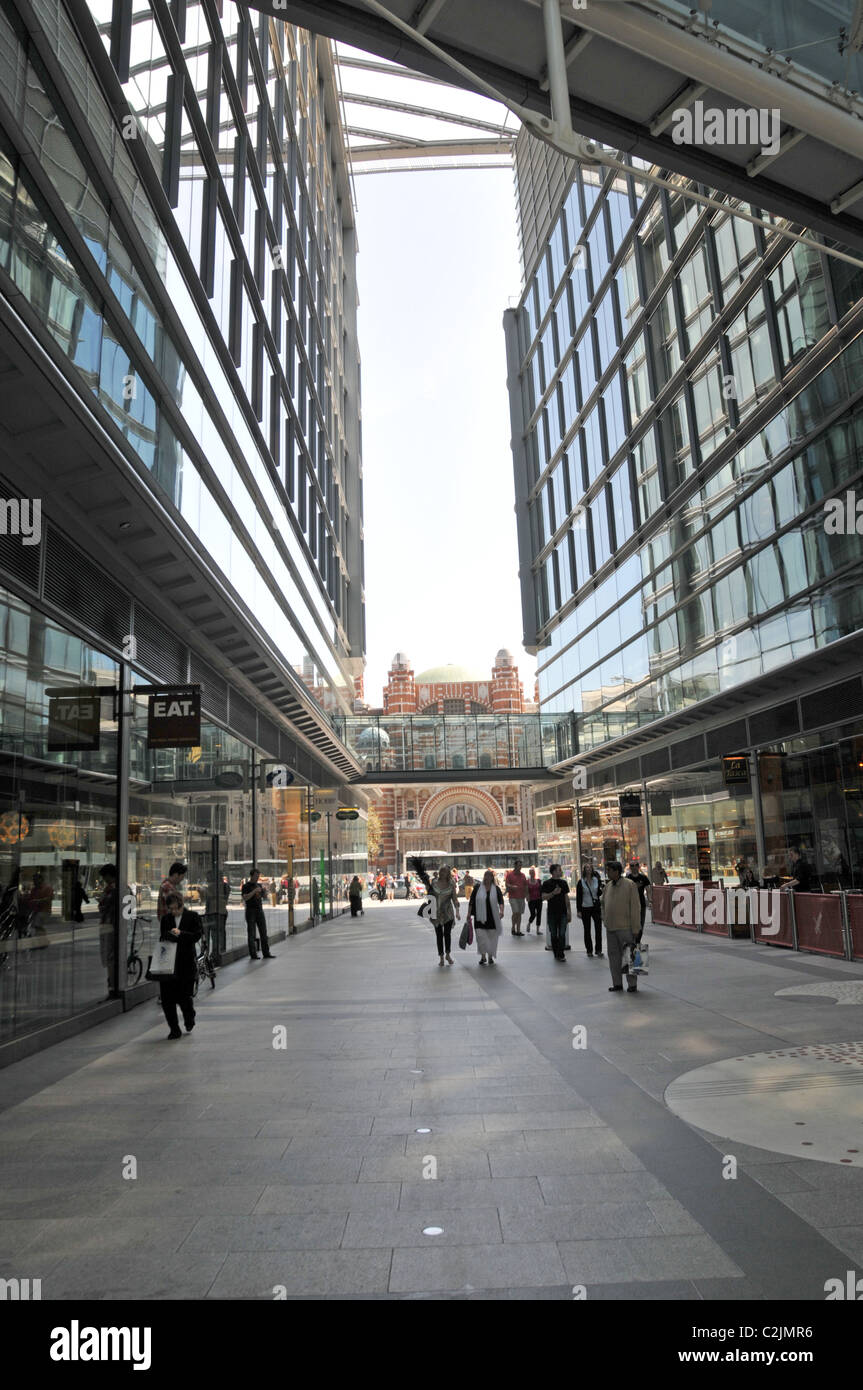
181,414
686,395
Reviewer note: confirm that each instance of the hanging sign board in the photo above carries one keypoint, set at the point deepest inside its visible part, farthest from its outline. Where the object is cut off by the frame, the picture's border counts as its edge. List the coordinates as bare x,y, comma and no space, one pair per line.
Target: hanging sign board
73,723
630,805
174,717
563,817
735,770
347,813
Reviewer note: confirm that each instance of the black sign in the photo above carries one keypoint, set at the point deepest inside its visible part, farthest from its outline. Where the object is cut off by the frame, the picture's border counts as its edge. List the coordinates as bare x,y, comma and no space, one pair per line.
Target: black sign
347,813
73,723
174,717
660,804
735,770
630,805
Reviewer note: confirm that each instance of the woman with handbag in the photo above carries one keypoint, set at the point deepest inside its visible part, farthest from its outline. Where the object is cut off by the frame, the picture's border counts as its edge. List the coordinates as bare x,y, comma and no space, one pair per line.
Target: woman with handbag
183,927
486,909
443,895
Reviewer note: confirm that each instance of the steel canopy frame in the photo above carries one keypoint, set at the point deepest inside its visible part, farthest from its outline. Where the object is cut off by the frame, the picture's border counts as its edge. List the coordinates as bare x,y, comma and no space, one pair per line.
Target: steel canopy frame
501,48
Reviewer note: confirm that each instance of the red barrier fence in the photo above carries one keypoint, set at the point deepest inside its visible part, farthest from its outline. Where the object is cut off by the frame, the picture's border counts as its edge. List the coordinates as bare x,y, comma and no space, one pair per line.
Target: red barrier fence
819,923
855,923
767,914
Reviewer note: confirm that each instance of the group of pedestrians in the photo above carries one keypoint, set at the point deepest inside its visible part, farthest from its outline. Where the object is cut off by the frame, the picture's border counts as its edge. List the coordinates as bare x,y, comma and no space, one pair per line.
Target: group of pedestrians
618,905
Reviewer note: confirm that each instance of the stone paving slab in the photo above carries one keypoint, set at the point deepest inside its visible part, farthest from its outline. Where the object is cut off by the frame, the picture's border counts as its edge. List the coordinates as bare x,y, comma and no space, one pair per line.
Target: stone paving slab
300,1169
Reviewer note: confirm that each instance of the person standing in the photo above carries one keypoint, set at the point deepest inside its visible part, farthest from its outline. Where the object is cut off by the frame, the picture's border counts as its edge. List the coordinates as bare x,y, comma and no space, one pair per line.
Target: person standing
445,912
555,892
621,913
516,888
487,908
252,893
642,883
587,901
408,886
391,888
801,873
534,901
171,884
183,927
355,896
658,876
107,901
469,884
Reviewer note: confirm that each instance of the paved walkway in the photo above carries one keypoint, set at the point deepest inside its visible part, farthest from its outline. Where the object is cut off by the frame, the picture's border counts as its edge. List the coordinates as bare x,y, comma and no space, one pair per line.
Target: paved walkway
407,1097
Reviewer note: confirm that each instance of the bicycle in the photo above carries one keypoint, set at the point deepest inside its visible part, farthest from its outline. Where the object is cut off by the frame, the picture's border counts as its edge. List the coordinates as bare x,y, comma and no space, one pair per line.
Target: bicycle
206,970
134,963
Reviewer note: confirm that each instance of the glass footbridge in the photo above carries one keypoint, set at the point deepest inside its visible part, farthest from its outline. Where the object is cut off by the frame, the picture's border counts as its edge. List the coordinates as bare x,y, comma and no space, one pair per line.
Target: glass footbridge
481,747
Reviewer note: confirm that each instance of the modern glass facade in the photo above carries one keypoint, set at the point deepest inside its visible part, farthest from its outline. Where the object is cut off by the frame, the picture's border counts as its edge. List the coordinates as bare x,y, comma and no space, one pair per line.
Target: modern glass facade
177,267
686,393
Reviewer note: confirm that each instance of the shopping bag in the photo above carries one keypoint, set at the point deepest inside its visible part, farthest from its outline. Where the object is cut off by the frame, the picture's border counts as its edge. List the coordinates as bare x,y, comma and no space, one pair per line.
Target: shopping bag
162,961
635,959
466,938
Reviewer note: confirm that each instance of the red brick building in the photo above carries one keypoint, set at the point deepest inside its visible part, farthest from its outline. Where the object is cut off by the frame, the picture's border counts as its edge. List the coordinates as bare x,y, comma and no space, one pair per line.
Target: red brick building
447,818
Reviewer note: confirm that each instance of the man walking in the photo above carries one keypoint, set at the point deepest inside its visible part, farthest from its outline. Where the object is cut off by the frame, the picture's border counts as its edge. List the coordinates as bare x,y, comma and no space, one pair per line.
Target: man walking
516,887
555,892
622,916
587,901
252,893
171,884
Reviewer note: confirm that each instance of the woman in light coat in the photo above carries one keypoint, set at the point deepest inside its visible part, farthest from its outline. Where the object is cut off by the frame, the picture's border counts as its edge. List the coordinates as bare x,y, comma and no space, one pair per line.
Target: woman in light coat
486,909
445,910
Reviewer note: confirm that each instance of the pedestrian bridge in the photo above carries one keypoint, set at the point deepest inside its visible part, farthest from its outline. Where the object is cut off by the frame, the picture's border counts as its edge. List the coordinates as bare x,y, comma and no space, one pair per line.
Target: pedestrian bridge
479,747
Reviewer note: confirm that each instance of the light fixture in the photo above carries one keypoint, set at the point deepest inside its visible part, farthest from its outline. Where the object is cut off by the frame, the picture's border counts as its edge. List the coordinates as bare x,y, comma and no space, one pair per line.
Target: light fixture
125,525
432,1230
423,1131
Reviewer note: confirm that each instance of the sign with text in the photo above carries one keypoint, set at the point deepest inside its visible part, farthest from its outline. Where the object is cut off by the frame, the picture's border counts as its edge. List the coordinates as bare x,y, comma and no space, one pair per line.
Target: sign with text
174,717
702,841
73,723
347,813
735,770
630,805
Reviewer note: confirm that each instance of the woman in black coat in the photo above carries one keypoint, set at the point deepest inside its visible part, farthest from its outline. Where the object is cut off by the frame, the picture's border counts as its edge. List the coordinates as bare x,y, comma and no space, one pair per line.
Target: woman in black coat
184,927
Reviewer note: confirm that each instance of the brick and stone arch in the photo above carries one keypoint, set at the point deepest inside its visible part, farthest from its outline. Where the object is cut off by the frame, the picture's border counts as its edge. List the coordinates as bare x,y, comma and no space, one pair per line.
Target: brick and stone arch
454,796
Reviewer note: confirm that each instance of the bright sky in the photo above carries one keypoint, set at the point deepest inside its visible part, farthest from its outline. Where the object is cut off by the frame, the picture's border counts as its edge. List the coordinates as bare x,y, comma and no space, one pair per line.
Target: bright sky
438,265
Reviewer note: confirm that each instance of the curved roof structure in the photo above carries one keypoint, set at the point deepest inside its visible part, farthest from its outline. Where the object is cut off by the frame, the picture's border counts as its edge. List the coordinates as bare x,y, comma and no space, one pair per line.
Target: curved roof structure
450,675
626,68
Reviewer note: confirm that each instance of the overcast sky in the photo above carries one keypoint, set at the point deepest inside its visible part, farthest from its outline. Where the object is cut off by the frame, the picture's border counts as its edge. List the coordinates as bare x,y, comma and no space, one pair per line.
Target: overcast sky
438,265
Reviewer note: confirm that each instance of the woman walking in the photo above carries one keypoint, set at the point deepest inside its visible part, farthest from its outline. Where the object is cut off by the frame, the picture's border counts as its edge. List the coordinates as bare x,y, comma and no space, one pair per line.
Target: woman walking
444,906
534,900
355,896
184,927
486,909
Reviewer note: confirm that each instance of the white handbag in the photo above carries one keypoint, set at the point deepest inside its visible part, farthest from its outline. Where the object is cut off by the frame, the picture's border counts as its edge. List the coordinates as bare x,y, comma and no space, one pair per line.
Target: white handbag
163,959
635,959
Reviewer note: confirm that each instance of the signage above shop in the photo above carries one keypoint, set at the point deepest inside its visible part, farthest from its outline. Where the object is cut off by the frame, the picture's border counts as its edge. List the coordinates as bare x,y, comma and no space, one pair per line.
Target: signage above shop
630,805
73,723
563,817
174,717
660,803
347,813
590,818
735,769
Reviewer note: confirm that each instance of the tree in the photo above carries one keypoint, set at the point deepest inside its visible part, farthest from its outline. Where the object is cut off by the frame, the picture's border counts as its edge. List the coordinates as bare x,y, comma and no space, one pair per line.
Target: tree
374,832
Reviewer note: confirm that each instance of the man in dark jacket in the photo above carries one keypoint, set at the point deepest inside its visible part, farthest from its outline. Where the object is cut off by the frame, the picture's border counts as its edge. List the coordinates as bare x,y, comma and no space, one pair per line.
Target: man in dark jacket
184,927
252,893
801,873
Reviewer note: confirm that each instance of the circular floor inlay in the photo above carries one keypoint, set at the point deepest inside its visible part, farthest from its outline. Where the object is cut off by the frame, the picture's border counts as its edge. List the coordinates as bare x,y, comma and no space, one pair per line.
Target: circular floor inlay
759,1099
842,991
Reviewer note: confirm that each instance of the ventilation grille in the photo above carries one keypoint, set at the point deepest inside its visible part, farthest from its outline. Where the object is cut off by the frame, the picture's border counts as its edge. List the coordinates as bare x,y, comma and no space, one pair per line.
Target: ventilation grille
78,587
774,723
834,706
158,650
729,739
214,693
242,716
18,560
688,751
653,763
268,735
